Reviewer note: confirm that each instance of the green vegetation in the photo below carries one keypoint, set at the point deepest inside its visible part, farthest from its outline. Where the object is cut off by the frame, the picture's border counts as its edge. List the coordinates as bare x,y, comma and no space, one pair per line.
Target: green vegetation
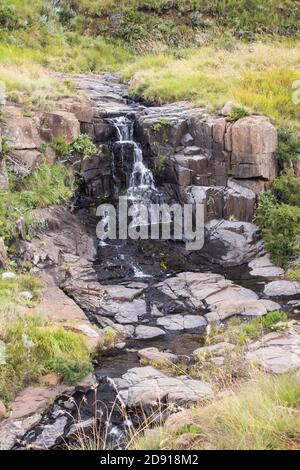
261,415
61,146
84,146
240,332
288,146
280,222
162,122
46,186
237,113
287,188
34,347
293,273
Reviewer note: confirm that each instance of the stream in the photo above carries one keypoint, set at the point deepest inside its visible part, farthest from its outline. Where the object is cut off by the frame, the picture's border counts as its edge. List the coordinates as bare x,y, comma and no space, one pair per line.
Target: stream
119,261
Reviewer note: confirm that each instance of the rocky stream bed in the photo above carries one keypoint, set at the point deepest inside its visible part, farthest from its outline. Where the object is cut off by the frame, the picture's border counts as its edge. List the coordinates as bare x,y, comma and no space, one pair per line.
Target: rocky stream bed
160,298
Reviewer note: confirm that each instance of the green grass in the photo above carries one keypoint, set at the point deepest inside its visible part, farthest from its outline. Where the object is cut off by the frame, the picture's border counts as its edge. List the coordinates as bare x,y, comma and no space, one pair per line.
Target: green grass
35,347
11,289
239,332
46,186
293,273
261,415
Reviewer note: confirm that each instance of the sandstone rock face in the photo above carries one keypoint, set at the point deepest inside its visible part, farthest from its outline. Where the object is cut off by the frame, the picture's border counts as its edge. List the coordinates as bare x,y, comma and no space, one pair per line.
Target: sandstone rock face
22,133
277,353
191,291
59,123
253,142
146,386
232,243
82,110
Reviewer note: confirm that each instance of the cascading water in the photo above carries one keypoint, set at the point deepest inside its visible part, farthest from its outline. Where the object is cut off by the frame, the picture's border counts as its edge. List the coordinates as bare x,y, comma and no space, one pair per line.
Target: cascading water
141,189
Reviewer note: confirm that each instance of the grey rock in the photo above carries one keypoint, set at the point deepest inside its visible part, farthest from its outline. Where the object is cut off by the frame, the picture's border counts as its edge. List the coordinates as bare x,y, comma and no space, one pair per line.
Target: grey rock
182,322
282,288
148,332
232,243
277,353
153,354
264,267
146,386
51,434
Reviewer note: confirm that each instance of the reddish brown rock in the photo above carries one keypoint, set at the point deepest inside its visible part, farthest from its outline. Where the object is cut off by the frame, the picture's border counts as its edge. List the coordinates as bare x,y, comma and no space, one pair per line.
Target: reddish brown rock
22,133
253,142
59,123
81,109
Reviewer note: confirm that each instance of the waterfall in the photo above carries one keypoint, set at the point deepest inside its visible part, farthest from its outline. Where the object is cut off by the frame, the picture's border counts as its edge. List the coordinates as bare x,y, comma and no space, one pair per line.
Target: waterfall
141,188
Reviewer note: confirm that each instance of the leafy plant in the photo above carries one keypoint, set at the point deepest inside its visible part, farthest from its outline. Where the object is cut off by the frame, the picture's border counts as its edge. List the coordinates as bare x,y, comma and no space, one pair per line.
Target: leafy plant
61,146
84,146
162,122
288,145
5,148
287,188
237,113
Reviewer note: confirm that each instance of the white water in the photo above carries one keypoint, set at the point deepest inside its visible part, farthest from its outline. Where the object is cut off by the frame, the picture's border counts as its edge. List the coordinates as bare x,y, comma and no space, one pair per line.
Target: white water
141,189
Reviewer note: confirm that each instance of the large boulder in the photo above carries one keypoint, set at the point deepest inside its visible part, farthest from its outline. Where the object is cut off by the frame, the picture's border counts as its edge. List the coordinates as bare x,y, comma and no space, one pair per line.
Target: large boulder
146,386
277,353
58,123
282,288
21,132
253,143
82,109
231,243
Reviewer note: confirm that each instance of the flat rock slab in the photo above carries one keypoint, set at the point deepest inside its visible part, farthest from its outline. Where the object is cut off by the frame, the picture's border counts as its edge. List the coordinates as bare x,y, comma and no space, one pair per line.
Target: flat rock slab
282,288
222,296
263,267
148,332
153,354
277,353
247,308
146,386
182,322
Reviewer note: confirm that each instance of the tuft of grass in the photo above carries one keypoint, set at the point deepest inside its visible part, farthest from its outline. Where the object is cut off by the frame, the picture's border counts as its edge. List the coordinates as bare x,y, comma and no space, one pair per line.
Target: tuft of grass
11,290
46,186
34,347
239,332
237,113
260,415
288,145
293,273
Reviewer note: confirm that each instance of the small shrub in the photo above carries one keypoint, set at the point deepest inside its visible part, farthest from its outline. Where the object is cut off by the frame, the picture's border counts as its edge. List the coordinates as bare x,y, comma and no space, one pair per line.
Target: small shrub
61,146
237,113
294,273
8,17
162,122
282,234
5,148
266,203
287,188
288,145
84,146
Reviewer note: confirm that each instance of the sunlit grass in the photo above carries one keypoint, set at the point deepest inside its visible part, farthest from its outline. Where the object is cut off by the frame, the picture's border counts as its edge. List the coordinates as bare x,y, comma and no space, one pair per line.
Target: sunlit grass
258,76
